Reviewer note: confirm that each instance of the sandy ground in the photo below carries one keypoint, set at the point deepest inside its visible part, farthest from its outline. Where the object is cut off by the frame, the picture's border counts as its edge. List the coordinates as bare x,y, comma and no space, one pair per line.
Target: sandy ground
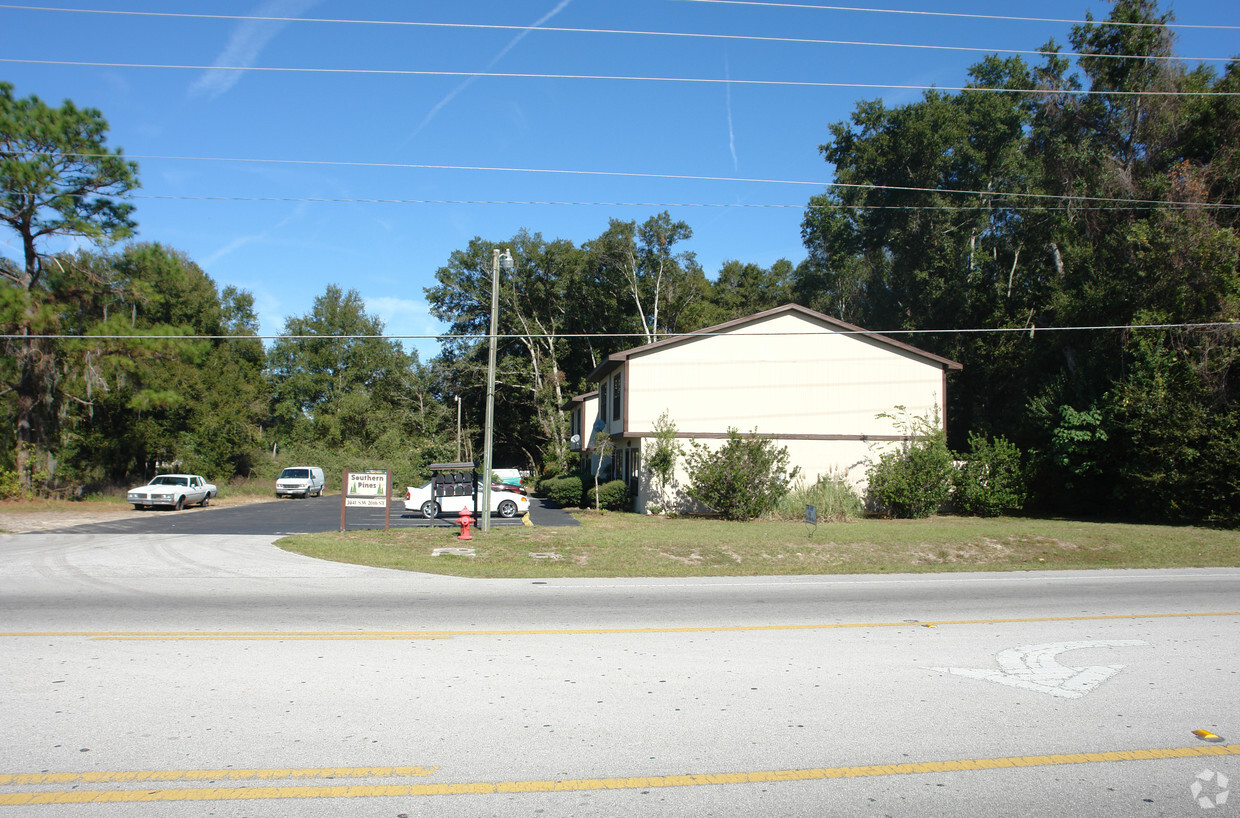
23,518
27,521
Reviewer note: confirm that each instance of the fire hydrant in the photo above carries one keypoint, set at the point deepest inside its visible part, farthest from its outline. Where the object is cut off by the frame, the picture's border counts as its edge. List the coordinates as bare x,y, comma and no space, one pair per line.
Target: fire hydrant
465,520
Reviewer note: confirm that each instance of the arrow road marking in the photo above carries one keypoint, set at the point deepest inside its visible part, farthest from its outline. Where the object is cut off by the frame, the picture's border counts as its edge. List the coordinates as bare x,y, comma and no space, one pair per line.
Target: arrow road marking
1034,667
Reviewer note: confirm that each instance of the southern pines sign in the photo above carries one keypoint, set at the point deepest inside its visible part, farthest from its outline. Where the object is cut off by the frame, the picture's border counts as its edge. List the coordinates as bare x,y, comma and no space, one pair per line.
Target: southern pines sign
366,489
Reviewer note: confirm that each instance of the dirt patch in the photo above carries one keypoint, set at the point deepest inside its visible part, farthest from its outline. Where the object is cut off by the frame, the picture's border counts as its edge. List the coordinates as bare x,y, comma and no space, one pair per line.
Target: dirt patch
23,518
25,522
693,559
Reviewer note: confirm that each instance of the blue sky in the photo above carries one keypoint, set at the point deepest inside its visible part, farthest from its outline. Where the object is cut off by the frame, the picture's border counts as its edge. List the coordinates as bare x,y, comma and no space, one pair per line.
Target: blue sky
368,175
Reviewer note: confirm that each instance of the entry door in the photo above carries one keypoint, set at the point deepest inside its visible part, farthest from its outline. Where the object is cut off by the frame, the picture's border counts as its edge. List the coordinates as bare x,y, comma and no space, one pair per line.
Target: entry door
634,472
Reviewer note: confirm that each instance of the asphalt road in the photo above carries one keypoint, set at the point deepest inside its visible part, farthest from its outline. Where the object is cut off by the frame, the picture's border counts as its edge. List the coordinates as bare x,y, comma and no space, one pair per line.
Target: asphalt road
280,518
178,675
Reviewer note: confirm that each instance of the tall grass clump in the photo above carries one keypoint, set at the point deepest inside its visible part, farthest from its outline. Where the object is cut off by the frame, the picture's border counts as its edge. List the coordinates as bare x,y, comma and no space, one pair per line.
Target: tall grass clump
836,499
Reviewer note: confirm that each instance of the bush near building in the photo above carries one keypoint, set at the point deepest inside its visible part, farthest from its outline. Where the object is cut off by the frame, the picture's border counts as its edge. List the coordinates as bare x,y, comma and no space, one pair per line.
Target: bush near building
742,479
612,495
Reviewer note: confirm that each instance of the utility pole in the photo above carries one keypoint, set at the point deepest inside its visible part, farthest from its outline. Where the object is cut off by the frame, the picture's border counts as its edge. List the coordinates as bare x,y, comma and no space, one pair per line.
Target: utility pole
496,260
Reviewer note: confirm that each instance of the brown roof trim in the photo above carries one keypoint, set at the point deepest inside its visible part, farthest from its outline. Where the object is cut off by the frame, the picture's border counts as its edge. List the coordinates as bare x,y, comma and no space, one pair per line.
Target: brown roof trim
619,436
614,360
767,436
578,399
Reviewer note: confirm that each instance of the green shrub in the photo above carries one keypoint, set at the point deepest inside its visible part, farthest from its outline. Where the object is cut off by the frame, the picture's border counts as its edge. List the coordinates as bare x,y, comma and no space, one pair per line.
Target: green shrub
612,495
662,453
1078,459
744,478
990,480
563,491
10,486
914,480
1174,428
835,498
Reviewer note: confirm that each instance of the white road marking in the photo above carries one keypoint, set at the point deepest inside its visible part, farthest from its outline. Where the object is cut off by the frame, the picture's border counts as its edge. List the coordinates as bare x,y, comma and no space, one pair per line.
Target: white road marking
1034,667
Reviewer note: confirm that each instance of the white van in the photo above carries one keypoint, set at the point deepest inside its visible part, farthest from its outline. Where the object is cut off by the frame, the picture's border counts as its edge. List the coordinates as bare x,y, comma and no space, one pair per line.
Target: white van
300,481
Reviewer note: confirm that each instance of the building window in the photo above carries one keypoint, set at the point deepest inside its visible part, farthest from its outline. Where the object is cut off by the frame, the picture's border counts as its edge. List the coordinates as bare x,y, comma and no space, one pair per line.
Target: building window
602,402
616,398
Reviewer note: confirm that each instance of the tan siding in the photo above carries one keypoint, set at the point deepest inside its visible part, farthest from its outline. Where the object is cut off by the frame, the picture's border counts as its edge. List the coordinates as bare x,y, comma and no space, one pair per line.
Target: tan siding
820,383
589,420
848,459
812,385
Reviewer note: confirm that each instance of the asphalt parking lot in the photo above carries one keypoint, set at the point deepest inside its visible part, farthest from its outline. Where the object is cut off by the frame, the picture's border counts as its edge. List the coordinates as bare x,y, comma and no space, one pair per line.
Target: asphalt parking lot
283,517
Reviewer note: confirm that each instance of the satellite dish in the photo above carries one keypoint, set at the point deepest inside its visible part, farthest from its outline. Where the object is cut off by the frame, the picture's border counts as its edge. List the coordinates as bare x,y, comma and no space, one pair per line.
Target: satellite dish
575,439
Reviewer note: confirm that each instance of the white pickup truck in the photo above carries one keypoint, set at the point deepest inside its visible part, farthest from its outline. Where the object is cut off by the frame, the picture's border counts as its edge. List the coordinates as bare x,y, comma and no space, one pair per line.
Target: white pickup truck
173,491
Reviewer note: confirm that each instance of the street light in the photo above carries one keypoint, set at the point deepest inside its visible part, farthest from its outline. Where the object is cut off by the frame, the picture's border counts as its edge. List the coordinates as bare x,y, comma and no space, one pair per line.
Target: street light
496,261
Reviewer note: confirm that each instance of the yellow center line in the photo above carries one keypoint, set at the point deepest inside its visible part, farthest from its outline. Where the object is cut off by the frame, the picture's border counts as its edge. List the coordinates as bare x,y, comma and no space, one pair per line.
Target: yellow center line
231,637
363,635
227,774
631,782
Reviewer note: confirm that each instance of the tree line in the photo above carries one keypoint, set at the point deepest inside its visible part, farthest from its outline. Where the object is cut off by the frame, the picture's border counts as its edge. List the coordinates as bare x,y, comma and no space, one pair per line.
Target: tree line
1116,208
1067,230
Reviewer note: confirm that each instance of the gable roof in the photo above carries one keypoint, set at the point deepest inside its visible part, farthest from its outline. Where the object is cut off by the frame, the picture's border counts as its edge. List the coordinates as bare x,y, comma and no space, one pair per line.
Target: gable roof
616,360
579,399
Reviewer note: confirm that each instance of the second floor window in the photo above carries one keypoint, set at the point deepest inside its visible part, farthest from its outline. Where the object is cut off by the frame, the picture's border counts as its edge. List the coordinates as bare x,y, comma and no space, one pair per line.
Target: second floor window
615,398
602,402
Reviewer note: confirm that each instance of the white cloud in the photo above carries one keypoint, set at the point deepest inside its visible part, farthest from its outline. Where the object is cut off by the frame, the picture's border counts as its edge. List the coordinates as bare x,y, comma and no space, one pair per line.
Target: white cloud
253,238
407,316
728,100
246,44
403,316
439,106
229,248
268,308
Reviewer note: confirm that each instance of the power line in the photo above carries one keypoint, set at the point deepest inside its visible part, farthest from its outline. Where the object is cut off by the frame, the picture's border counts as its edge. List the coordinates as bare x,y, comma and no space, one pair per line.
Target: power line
604,335
960,15
615,32
992,194
956,15
621,78
427,166
1067,201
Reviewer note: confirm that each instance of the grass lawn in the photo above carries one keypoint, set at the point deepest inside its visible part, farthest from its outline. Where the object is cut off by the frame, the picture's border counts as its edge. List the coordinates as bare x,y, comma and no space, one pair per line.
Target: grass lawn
630,545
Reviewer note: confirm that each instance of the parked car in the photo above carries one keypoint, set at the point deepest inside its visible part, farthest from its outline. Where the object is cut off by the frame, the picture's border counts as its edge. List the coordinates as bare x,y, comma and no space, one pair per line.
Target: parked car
505,501
300,481
173,491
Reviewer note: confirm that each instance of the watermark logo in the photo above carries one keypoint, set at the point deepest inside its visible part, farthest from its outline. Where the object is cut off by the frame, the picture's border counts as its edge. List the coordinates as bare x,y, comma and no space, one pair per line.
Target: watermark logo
1209,789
